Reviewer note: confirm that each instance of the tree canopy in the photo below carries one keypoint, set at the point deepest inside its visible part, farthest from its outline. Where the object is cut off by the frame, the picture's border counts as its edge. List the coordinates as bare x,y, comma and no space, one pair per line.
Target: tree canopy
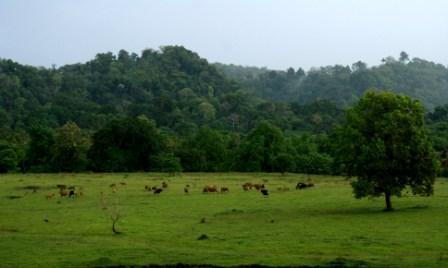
384,144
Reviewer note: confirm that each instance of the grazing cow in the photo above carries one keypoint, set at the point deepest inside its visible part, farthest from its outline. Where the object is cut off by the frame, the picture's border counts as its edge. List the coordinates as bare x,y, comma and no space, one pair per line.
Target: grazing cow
210,189
63,192
264,192
247,186
158,191
258,187
301,185
71,193
224,190
164,185
186,190
49,196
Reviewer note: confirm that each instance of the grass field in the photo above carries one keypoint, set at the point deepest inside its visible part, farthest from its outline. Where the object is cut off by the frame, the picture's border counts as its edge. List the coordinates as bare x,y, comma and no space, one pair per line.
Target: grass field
322,225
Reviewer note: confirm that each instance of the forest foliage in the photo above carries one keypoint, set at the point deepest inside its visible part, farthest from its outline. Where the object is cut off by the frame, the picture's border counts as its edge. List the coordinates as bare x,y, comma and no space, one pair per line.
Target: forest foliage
170,110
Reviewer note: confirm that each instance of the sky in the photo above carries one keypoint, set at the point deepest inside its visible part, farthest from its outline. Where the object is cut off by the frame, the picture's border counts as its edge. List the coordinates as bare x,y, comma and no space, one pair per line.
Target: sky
267,33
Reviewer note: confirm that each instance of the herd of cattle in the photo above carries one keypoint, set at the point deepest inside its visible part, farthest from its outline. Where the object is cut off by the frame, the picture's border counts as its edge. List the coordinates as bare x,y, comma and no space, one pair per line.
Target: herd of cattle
248,186
73,191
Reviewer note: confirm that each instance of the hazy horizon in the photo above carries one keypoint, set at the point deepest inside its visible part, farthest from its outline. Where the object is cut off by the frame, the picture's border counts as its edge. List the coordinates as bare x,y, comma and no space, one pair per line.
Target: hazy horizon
262,33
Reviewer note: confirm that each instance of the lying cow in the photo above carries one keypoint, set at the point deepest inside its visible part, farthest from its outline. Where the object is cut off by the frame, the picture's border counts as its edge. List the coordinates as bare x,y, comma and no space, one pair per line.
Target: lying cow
302,185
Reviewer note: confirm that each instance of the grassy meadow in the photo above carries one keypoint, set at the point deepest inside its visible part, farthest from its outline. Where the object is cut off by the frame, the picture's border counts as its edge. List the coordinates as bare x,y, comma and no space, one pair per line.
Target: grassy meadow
323,225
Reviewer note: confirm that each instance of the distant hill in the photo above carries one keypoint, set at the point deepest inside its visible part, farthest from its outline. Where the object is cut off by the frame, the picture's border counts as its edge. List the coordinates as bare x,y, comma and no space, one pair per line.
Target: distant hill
424,80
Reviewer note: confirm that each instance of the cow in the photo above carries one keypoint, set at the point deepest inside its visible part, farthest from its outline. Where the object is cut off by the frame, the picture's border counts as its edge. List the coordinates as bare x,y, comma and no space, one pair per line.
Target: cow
63,192
264,192
224,190
302,185
186,190
158,190
71,193
210,189
247,186
258,187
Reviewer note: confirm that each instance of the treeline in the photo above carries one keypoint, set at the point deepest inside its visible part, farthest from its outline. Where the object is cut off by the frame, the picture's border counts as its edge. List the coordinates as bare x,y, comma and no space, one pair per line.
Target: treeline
136,144
344,85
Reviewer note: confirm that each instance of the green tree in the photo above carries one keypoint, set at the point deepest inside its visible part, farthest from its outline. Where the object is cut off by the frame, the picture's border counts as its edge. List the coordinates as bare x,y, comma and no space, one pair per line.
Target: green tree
205,151
168,162
385,145
261,147
284,162
8,157
40,149
128,144
70,149
404,56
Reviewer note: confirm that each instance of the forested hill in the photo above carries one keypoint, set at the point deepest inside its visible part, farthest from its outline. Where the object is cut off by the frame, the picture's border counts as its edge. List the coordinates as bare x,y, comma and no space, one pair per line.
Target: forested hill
174,86
183,92
418,78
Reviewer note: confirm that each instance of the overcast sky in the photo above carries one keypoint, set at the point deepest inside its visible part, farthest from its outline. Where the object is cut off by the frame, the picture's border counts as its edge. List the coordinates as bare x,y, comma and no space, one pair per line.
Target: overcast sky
272,33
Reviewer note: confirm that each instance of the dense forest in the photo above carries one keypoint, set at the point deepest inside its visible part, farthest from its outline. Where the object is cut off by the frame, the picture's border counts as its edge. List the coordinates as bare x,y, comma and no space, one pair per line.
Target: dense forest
417,78
170,110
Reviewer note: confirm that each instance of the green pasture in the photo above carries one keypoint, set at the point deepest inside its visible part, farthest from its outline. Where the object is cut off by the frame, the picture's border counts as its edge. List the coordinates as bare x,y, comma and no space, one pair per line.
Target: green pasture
323,225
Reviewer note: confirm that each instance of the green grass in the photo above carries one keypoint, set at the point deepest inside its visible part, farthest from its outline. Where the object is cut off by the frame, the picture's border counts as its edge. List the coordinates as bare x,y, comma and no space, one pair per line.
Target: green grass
309,227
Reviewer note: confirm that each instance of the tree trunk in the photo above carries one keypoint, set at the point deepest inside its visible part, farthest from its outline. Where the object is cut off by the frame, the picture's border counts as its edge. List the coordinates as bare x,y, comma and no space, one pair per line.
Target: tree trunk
113,228
388,203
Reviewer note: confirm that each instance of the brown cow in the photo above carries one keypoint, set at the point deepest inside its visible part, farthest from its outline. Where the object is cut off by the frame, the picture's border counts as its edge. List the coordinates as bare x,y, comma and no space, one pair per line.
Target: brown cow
247,186
258,187
210,189
63,192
